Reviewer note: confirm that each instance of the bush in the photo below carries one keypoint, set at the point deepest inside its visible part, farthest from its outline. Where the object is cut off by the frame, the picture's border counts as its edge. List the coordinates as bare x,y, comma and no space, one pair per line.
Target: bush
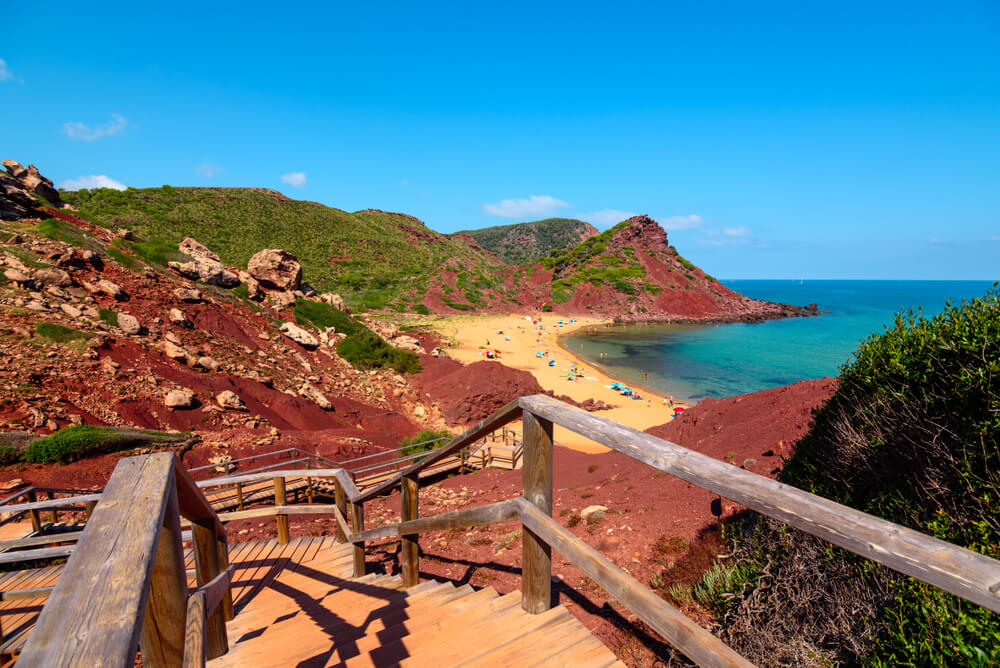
421,309
59,334
78,441
108,316
420,442
320,315
912,435
547,308
366,350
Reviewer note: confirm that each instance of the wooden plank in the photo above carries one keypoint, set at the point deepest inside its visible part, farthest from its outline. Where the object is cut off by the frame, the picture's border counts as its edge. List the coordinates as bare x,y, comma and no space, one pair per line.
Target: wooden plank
191,501
227,598
195,654
24,594
215,591
967,574
279,500
358,527
341,512
536,554
116,550
206,563
40,553
508,413
51,503
697,644
409,547
162,635
265,475
502,511
70,537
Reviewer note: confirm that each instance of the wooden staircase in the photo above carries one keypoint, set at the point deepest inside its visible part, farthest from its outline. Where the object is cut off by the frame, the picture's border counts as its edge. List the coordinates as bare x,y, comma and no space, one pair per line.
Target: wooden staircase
313,613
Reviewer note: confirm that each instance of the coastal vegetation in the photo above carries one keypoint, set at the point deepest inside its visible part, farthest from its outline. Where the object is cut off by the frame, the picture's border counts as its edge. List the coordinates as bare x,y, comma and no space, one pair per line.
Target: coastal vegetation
912,435
78,441
526,242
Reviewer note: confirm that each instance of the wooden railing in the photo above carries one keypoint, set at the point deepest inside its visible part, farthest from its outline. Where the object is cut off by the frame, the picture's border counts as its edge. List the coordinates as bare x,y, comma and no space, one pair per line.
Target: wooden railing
966,574
125,585
959,571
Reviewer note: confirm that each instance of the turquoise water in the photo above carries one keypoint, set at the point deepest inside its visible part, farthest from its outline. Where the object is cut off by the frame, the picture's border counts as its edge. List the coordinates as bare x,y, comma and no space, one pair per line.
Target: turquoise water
696,361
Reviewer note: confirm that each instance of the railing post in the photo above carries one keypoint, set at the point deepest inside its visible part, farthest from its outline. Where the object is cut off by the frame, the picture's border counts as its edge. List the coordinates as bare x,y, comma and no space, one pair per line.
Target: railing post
281,520
89,508
309,484
536,554
36,519
52,513
227,598
341,500
357,526
207,565
162,637
409,544
239,496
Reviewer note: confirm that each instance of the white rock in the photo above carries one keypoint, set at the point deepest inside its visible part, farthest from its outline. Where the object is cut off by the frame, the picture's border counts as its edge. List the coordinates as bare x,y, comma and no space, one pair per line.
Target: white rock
299,335
179,399
590,510
129,323
313,393
229,399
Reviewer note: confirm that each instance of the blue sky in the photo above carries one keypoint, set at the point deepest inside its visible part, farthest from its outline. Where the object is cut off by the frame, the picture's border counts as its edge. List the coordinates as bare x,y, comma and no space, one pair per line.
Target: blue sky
774,140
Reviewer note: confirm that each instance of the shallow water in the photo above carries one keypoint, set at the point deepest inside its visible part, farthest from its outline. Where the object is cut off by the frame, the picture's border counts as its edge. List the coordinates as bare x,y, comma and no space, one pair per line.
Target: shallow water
696,361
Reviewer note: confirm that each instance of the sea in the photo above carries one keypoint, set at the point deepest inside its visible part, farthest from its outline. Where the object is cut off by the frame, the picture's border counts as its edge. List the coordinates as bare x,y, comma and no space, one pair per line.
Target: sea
692,362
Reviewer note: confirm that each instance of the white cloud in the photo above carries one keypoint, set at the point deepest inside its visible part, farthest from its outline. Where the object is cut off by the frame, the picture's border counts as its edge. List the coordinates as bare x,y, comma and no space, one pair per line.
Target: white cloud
92,181
294,179
207,171
682,222
5,73
534,206
83,132
995,238
606,216
738,231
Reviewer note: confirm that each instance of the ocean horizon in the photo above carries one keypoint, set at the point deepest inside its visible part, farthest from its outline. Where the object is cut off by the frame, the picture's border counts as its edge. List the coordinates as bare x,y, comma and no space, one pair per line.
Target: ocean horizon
695,361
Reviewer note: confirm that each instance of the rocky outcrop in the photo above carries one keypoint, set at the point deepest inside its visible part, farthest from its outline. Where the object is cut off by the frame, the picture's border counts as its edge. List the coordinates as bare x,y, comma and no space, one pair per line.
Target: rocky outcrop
29,180
51,276
276,269
204,265
299,335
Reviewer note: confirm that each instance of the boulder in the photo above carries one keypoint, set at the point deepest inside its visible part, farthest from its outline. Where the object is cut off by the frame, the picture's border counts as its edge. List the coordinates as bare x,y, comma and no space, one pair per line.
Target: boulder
175,352
313,393
276,269
52,276
190,295
179,399
196,250
440,353
590,510
253,288
282,300
408,343
229,399
334,300
111,289
299,335
209,271
207,363
31,180
70,310
178,318
16,276
129,324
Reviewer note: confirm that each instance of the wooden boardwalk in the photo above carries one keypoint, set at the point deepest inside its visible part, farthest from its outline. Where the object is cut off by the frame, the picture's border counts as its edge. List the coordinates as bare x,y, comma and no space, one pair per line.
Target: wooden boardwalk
306,609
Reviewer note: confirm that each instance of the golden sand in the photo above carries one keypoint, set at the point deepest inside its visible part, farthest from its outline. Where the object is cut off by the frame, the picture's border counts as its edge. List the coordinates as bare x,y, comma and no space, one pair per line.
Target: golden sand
518,345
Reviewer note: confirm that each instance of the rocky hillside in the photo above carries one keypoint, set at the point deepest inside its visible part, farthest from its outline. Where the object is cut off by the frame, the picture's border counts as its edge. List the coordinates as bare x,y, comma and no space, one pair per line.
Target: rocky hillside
101,328
527,242
631,272
375,259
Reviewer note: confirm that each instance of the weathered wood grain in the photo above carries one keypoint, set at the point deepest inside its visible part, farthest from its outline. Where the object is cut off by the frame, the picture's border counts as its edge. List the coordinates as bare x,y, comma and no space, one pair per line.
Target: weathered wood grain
341,502
162,635
117,550
40,553
358,527
967,574
195,654
23,594
502,511
697,644
536,476
409,543
68,537
282,520
206,564
63,503
508,413
343,530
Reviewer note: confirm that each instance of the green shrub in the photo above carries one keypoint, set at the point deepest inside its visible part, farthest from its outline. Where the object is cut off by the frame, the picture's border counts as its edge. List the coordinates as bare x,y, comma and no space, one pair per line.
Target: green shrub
366,350
320,315
716,587
547,308
420,441
120,257
53,228
421,309
78,441
157,251
60,334
108,316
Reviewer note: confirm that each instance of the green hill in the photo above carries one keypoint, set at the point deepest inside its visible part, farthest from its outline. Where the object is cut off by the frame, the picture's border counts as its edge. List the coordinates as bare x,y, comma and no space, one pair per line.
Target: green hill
526,242
375,259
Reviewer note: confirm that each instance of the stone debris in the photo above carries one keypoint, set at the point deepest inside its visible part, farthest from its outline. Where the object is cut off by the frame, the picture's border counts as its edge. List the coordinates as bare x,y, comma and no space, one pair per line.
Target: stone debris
275,269
129,324
230,400
190,295
181,399
178,318
299,335
313,393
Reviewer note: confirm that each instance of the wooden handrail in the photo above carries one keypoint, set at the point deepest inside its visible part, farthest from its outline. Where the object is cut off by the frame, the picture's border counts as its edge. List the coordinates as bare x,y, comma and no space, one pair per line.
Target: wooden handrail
502,511
967,574
131,552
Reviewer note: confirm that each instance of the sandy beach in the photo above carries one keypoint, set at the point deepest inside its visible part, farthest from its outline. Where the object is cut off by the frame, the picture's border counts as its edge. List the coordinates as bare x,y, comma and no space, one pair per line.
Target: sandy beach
519,343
